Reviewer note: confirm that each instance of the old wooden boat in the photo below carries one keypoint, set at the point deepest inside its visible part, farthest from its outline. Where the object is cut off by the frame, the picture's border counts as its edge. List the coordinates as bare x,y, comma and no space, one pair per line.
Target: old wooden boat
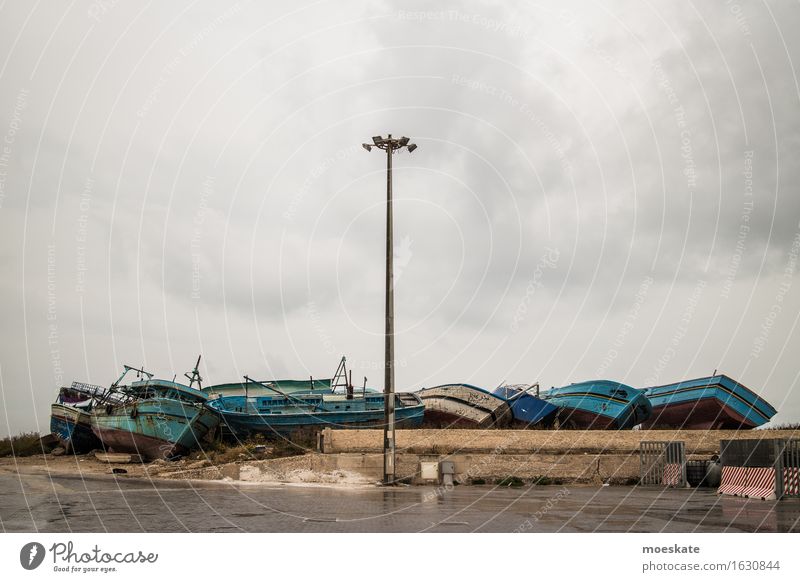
599,404
712,402
285,406
310,386
464,405
152,418
526,406
70,417
284,413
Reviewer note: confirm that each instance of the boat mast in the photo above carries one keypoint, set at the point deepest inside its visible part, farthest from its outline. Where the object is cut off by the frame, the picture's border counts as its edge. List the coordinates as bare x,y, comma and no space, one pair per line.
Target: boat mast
340,376
195,375
113,388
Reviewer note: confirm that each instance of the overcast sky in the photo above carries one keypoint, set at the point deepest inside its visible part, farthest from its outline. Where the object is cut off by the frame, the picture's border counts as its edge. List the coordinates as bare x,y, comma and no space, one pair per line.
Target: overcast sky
599,192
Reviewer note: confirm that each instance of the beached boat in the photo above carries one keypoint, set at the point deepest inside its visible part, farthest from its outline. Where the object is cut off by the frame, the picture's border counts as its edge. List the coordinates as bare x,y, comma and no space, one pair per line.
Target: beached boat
599,404
285,406
713,402
152,418
526,406
310,386
464,405
70,417
283,412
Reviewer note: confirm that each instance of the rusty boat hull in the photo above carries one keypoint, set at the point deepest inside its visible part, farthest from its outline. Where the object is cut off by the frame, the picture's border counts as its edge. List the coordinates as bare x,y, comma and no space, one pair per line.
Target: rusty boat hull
165,420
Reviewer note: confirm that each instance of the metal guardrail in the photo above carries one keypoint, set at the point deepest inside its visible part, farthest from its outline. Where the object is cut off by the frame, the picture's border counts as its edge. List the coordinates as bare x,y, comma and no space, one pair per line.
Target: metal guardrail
748,452
662,463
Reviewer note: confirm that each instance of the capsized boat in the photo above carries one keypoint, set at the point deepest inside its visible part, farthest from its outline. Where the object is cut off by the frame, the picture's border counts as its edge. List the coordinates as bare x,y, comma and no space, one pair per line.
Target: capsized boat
599,404
713,402
464,405
153,418
526,406
267,407
70,417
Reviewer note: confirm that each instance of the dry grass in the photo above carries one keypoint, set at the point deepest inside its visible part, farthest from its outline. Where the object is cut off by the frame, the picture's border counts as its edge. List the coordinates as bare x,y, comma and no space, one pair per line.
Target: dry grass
22,445
230,449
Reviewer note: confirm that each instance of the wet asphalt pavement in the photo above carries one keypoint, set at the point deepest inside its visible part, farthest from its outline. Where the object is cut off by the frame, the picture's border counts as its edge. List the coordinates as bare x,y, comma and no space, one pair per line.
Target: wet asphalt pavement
37,501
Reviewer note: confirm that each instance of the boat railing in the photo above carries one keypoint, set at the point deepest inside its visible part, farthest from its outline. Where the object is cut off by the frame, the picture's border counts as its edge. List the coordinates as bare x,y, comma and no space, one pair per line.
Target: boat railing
270,386
88,389
94,393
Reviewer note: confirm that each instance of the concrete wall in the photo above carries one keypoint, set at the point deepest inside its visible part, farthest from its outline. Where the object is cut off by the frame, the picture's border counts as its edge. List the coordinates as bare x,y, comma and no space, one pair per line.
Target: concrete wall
616,468
556,442
491,455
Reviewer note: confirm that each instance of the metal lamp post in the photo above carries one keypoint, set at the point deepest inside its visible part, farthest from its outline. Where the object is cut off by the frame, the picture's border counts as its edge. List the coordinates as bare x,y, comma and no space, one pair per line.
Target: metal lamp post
390,145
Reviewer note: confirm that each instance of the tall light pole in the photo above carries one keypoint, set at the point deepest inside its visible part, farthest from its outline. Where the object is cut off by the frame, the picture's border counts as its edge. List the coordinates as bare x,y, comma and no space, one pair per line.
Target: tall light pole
390,145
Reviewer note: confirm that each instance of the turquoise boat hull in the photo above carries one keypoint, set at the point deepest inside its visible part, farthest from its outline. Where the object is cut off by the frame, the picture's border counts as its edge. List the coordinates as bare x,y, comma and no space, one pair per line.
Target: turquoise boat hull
278,414
296,387
714,402
599,405
168,420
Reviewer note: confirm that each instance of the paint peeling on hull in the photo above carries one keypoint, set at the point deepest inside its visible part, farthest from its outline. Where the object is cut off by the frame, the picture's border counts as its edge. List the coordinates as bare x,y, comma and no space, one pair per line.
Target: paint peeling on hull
156,428
463,405
73,428
120,441
243,424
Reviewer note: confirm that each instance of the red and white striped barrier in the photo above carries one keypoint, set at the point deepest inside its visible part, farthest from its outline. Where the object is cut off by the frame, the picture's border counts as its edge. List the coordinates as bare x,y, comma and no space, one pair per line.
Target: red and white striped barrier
756,482
791,481
673,475
760,483
733,481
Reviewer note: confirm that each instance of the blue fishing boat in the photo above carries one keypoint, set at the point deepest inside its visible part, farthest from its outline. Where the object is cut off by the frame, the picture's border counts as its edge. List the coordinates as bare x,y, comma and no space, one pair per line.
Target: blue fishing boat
265,407
464,406
599,404
153,418
713,402
310,386
283,413
70,417
526,406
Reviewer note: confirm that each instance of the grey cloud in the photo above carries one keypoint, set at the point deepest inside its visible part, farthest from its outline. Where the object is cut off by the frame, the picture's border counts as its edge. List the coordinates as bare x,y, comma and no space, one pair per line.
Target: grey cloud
540,128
